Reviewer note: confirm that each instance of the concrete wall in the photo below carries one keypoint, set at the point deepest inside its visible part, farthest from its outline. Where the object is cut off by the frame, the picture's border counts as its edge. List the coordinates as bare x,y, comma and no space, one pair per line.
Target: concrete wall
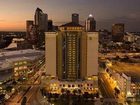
50,53
92,53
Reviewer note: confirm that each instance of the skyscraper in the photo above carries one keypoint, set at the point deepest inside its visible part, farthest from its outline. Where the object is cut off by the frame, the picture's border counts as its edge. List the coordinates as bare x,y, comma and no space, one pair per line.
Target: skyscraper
41,23
50,25
90,24
117,32
74,55
29,24
75,18
41,20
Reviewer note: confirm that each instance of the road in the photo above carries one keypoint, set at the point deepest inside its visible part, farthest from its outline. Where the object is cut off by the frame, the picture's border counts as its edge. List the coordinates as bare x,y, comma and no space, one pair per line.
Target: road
107,91
32,88
121,55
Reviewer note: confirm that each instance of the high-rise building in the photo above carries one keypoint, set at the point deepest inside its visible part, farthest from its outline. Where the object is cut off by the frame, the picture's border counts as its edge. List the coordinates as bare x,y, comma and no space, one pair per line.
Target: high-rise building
31,34
74,55
75,18
41,23
117,32
50,25
41,20
29,24
90,24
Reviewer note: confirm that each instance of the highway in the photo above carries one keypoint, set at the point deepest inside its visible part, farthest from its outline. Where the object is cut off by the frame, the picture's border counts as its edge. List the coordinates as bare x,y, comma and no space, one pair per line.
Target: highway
107,91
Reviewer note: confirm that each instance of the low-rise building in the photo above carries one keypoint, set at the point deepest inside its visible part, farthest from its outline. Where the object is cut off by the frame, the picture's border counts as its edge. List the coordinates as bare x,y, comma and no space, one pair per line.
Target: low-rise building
19,62
56,86
128,82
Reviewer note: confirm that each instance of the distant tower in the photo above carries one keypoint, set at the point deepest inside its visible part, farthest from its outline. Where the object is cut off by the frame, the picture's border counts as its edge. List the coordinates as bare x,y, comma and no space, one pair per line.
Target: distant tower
90,24
41,23
117,32
50,25
41,20
75,18
29,24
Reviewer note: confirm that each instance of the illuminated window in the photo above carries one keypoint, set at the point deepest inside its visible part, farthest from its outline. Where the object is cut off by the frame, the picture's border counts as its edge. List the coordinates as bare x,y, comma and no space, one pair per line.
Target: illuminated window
20,67
20,63
25,62
16,63
16,74
16,68
25,67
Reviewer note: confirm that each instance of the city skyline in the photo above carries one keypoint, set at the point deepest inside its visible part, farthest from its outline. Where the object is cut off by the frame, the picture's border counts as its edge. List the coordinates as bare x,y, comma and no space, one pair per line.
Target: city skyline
126,11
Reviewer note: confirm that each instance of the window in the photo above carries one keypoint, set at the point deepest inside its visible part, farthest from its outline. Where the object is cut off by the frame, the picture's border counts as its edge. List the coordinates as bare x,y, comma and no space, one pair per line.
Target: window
20,67
90,38
16,68
20,63
25,62
16,63
25,67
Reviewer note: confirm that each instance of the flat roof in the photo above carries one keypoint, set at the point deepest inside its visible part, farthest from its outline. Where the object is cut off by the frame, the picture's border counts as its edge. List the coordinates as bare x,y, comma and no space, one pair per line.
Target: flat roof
6,76
6,57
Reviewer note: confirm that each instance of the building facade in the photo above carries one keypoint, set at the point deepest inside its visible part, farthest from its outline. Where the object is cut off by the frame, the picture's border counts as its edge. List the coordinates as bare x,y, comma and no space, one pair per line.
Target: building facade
50,25
117,32
90,24
74,55
19,63
41,20
31,33
75,18
41,23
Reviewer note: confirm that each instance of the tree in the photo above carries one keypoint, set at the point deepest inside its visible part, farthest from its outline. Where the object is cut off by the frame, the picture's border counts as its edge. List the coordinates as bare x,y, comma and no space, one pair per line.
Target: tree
24,101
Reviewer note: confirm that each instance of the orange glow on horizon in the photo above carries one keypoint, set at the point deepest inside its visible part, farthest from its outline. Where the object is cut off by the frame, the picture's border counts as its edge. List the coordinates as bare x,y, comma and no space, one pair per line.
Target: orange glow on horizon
12,26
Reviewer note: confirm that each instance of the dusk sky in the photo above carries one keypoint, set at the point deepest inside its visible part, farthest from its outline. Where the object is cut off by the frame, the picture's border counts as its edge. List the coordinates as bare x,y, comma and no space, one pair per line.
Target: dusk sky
14,13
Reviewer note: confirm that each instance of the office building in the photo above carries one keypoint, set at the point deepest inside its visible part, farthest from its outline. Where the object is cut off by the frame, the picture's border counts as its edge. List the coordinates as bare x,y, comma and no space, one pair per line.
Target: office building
41,20
50,25
29,24
41,23
117,32
75,18
31,33
90,24
104,37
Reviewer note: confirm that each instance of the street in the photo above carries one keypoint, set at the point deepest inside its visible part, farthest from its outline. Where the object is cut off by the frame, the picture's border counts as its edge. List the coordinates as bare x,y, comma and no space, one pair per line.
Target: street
107,91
